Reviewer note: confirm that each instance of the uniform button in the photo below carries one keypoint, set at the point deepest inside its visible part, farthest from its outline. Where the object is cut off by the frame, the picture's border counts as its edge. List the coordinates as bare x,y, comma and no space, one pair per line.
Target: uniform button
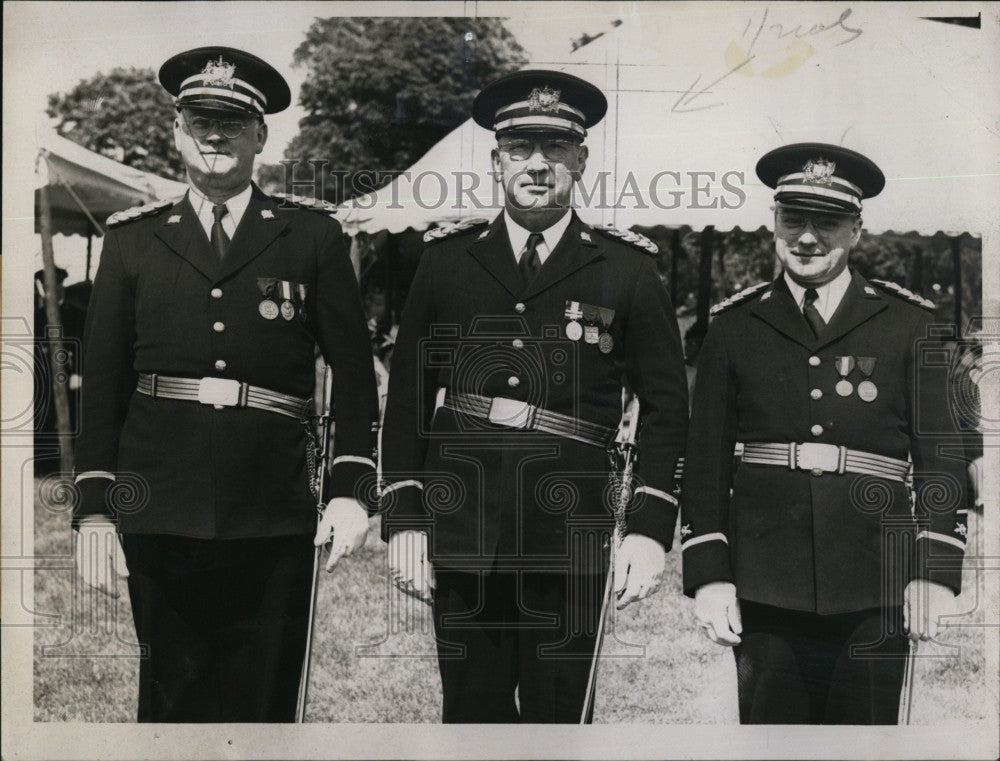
216,293
517,343
519,308
220,365
814,361
816,430
219,327
817,472
513,381
816,394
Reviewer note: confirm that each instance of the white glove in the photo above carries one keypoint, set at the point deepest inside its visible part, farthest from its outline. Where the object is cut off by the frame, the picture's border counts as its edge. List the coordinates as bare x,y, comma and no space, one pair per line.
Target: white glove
923,602
409,568
717,612
345,526
638,568
99,557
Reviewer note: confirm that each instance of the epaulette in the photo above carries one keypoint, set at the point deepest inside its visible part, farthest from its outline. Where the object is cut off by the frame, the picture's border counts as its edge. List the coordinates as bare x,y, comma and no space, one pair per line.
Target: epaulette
898,290
446,231
305,202
641,242
138,212
738,298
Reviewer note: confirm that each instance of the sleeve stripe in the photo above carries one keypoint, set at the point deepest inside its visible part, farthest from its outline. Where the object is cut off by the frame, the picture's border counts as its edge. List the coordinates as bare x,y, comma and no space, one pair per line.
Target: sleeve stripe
714,537
400,485
354,458
656,493
941,538
94,474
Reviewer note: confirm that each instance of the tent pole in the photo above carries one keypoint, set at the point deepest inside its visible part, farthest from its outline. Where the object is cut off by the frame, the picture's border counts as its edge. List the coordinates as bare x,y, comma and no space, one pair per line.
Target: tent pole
58,366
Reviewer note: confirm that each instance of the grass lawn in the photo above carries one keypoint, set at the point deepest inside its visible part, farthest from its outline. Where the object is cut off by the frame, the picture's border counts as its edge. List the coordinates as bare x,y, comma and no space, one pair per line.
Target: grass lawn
374,657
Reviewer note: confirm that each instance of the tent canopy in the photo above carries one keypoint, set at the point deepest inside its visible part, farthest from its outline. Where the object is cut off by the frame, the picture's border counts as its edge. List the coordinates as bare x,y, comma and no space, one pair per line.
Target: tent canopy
79,179
698,93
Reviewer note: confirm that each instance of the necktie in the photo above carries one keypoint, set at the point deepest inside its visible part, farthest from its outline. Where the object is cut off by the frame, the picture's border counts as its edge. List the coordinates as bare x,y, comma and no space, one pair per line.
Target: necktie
529,263
220,241
811,313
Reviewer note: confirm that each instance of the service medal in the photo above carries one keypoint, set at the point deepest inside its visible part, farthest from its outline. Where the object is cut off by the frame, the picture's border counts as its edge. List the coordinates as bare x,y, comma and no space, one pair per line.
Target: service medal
288,310
591,334
844,387
867,391
268,309
605,343
574,331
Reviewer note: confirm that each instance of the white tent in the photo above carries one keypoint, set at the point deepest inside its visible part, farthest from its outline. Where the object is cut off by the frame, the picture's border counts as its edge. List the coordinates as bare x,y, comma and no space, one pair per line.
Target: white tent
697,93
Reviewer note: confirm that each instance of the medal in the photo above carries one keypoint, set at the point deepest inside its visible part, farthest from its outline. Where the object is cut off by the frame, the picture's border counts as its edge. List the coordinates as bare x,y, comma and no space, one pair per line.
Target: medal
300,291
844,367
605,343
574,331
590,316
268,309
866,389
591,334
288,310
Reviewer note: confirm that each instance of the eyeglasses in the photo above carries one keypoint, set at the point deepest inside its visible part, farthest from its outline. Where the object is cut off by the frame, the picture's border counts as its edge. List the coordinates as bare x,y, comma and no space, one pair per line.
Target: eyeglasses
553,150
795,222
202,126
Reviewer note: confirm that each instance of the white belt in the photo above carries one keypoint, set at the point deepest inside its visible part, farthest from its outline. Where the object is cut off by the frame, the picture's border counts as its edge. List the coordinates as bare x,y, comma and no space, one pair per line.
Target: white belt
825,458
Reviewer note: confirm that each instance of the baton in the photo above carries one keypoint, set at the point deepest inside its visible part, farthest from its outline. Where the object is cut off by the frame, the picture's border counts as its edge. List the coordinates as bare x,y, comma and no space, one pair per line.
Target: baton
627,450
906,704
322,456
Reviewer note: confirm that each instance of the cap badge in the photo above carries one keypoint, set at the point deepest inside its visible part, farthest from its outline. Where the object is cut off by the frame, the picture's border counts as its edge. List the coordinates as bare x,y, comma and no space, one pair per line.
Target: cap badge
819,171
219,73
544,99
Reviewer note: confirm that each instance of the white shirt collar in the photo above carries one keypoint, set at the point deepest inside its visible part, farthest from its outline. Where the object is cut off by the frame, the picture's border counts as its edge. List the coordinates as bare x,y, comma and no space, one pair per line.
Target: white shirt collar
519,236
235,205
829,295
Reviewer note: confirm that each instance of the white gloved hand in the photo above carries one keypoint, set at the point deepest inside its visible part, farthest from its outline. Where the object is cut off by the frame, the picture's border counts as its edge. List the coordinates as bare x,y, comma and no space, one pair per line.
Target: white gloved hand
409,568
638,568
345,526
717,612
923,602
99,557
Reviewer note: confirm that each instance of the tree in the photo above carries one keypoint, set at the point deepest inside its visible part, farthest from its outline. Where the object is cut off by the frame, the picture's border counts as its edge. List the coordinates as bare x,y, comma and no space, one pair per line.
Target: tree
124,115
381,91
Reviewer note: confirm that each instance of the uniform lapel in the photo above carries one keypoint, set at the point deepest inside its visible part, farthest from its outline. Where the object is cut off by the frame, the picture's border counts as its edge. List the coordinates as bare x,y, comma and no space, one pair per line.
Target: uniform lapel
861,301
577,247
780,311
183,233
262,222
493,252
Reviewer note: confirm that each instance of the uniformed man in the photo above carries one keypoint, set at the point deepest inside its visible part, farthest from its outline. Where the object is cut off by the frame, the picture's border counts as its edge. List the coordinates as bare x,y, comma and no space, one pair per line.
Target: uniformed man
810,560
199,367
498,502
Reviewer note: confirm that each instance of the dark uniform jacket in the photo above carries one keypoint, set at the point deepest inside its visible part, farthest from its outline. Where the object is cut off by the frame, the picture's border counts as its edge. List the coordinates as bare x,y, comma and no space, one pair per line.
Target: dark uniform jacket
163,303
825,543
491,494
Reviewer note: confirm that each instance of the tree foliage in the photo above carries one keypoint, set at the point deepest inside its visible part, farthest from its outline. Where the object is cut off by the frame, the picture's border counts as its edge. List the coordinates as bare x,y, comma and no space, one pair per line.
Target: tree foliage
381,91
124,115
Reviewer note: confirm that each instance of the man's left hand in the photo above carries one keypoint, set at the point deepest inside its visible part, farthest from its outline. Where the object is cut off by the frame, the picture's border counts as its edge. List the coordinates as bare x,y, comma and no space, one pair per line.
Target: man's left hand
345,526
923,603
638,567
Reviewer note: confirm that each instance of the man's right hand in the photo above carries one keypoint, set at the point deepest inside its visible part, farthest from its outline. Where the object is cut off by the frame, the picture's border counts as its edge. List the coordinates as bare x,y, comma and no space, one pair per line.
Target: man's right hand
99,557
717,613
409,567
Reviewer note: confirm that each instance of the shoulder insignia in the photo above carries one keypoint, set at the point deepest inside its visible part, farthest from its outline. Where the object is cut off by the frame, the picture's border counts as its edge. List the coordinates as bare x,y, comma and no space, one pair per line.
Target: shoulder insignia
897,290
446,231
739,297
138,212
641,242
304,202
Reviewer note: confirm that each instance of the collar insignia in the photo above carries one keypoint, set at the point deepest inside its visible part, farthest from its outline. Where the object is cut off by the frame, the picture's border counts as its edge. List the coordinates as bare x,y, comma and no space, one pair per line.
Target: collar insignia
584,235
266,214
819,171
173,219
544,99
766,296
870,291
219,73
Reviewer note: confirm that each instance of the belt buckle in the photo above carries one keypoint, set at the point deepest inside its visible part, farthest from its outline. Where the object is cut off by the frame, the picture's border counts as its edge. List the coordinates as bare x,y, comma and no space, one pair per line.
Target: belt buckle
221,392
510,413
818,457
